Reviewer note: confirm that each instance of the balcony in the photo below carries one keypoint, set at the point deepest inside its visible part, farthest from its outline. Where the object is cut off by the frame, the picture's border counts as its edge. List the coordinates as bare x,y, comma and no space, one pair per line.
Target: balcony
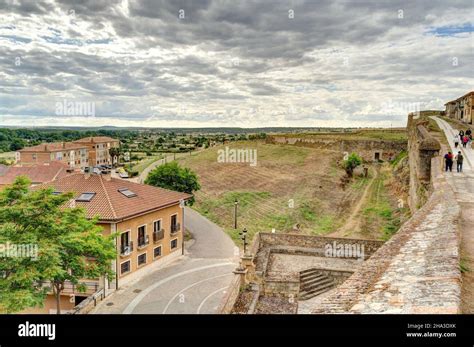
143,242
84,287
158,235
126,249
175,228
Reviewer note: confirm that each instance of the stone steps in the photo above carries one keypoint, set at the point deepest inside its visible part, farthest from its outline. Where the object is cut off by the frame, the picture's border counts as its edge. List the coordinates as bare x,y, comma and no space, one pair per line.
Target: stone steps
313,283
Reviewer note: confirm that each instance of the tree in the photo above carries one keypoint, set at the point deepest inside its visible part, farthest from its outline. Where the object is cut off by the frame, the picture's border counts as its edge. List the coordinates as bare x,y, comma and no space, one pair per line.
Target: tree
114,152
174,177
69,246
351,163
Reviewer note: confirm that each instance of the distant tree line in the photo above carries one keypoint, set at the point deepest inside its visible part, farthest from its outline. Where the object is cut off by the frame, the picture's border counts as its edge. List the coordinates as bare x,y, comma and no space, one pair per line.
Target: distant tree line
16,139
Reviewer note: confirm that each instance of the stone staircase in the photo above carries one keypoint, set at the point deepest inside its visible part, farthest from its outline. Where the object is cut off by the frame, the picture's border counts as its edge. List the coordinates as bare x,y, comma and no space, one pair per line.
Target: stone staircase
313,283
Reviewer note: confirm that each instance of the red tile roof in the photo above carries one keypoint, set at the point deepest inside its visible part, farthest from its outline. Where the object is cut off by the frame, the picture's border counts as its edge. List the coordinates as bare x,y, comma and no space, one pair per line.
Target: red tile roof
53,147
96,139
111,205
38,173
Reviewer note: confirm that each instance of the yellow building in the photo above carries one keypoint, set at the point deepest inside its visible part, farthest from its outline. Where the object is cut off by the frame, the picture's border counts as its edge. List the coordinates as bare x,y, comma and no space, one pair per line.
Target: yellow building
462,108
98,148
149,221
72,154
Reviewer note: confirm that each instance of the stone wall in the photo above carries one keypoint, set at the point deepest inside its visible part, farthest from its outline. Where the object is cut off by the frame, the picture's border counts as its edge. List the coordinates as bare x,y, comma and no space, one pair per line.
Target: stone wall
231,296
422,147
417,270
287,282
367,149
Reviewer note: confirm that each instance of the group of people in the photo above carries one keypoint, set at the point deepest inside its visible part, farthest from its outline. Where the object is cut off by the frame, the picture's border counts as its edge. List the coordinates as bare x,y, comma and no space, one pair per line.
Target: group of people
464,138
450,158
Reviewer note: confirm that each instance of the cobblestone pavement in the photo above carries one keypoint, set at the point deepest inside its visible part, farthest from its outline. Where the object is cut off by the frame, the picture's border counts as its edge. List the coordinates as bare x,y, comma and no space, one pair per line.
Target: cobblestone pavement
194,283
463,185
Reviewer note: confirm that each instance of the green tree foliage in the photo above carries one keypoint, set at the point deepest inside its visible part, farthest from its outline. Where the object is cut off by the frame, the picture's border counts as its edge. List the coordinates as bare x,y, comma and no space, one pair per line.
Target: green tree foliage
70,247
174,177
351,163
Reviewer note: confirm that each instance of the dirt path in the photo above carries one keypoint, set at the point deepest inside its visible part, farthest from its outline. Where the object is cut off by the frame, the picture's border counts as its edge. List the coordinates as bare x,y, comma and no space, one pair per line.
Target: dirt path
353,222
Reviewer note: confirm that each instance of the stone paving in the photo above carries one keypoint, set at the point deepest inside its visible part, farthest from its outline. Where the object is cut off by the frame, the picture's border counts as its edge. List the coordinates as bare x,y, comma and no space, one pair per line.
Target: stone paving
463,186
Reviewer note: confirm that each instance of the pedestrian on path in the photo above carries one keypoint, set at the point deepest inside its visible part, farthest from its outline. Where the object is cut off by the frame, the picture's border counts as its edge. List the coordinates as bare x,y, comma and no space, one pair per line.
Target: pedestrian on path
459,159
448,159
456,141
465,140
461,134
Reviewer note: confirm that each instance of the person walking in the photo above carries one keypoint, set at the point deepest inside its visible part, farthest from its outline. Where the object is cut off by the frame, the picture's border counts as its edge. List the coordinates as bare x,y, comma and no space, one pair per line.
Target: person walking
461,134
465,140
448,159
456,141
459,159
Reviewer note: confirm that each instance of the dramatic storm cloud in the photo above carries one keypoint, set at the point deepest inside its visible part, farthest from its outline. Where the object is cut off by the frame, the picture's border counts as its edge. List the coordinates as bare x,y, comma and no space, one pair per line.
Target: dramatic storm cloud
188,63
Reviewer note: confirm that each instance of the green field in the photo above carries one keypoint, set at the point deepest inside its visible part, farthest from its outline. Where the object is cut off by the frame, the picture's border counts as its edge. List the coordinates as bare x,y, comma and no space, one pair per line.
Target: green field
289,186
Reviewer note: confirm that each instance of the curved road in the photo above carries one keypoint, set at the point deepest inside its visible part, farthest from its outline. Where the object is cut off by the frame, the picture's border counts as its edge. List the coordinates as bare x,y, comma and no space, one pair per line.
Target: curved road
195,283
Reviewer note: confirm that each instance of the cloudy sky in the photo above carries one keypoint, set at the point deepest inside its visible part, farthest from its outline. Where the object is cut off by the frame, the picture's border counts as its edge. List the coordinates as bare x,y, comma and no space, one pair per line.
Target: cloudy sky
242,63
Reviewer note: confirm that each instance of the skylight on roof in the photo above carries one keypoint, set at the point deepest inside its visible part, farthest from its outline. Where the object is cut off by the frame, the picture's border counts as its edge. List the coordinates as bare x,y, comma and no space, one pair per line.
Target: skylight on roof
127,192
85,197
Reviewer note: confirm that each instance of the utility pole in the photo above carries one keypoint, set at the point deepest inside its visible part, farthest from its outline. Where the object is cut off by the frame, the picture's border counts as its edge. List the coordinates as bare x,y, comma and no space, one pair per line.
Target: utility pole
235,213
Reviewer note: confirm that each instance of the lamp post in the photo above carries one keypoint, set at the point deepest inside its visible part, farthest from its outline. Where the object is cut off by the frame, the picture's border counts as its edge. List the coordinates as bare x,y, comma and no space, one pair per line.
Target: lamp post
243,235
235,213
182,204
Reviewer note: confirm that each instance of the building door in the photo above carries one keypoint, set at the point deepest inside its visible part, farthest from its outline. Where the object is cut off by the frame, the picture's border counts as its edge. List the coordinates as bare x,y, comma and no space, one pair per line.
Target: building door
377,156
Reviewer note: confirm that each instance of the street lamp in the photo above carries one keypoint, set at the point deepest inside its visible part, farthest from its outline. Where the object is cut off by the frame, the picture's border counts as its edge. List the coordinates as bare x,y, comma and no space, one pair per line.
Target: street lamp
182,204
243,235
235,213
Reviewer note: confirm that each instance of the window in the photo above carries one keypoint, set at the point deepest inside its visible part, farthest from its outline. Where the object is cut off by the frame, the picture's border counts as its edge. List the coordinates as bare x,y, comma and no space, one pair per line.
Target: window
85,197
142,239
142,259
174,243
125,267
174,223
157,252
125,244
156,226
127,192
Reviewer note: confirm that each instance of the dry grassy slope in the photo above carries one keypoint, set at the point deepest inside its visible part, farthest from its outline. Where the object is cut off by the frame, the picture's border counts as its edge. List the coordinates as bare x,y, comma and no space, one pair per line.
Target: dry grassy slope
309,177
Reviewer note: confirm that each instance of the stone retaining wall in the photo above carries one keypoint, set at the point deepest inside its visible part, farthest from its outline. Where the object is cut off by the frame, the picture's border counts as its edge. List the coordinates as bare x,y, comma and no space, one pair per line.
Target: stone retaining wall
231,296
367,149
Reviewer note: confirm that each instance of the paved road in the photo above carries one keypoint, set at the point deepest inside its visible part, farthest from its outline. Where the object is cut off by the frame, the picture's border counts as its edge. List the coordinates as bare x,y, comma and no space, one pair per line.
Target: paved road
195,283
463,185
